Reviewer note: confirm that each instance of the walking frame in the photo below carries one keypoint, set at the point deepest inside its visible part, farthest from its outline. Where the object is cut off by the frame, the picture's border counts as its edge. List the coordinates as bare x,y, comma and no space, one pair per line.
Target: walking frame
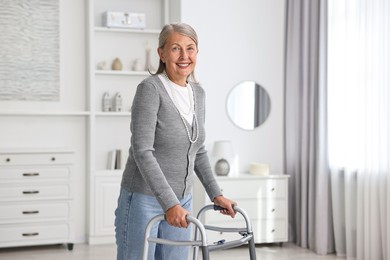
201,242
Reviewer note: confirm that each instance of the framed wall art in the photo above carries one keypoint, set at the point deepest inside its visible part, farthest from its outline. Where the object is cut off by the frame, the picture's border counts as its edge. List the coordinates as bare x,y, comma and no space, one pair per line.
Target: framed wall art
29,50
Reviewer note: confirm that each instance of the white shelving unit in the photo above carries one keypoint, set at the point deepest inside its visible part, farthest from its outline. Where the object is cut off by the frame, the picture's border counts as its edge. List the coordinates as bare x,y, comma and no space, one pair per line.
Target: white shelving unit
123,73
121,30
109,131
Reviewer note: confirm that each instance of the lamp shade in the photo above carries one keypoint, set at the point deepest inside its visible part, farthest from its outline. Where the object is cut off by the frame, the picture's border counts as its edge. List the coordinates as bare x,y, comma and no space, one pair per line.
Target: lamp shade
223,149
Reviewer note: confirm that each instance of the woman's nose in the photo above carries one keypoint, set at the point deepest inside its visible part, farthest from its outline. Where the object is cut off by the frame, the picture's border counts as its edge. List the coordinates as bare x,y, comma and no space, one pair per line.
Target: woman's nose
183,54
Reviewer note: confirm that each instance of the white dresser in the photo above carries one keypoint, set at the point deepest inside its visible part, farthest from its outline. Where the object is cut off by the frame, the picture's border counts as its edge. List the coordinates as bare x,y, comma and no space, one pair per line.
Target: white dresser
36,197
265,199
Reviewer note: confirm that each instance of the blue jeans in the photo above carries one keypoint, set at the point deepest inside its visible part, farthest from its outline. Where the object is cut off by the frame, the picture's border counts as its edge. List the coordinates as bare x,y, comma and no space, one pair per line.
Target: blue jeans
133,214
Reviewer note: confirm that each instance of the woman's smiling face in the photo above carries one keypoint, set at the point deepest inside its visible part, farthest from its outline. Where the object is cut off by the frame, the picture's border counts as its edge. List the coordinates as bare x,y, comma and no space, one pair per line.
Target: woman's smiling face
179,55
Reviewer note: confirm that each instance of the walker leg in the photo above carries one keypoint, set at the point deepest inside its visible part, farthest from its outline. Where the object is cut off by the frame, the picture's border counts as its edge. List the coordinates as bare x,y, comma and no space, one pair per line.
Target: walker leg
205,253
252,249
195,253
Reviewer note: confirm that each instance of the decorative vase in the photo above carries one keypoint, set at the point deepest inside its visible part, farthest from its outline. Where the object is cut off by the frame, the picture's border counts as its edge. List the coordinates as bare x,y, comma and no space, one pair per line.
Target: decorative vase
116,64
148,62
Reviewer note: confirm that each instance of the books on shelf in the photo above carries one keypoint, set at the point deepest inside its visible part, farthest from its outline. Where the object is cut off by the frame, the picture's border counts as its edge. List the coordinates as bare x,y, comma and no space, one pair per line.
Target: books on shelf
114,160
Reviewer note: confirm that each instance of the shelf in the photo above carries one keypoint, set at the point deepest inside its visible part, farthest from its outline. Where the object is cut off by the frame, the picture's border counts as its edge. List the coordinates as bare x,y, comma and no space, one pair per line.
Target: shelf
81,113
109,114
122,73
44,113
109,173
124,30
35,150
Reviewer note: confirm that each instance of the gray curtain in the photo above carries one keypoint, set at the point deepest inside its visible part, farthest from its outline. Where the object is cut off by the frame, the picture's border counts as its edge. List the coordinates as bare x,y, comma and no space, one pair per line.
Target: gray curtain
305,156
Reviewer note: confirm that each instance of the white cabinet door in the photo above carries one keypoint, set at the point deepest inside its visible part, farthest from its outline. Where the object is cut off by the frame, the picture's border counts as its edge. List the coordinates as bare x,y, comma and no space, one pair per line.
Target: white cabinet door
103,205
107,192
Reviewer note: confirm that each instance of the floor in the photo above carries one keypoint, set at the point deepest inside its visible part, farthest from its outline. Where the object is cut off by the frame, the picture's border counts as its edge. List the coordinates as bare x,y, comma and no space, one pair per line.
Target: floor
107,252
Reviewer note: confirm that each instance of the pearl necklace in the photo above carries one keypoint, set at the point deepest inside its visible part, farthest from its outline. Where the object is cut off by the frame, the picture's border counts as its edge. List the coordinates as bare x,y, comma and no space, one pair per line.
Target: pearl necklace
192,109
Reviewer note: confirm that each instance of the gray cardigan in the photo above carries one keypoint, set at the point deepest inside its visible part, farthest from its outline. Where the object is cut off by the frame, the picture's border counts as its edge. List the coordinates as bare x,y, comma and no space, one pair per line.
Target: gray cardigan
161,159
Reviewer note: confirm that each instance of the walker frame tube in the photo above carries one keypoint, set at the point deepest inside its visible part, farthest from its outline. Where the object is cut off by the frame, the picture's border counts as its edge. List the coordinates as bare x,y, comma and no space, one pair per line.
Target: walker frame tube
249,238
198,243
202,242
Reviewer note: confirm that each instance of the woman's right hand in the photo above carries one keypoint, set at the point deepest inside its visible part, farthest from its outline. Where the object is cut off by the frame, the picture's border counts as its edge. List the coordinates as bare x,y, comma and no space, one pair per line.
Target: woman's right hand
227,204
176,216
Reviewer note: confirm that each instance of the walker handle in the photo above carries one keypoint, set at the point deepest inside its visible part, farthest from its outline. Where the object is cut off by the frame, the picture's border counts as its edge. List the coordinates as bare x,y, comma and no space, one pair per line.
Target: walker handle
218,208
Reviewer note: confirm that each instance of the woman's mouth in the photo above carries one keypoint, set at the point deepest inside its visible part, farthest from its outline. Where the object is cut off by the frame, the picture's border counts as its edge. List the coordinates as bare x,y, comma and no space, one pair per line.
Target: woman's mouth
183,65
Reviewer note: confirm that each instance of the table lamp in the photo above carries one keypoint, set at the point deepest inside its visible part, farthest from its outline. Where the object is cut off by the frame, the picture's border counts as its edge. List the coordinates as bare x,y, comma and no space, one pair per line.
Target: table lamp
224,156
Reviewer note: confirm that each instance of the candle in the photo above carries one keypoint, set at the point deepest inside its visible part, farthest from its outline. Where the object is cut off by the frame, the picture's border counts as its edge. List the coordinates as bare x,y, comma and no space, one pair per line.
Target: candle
260,169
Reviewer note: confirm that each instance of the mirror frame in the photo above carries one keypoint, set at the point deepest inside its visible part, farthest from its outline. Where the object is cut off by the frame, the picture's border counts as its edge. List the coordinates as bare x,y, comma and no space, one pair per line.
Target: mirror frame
259,109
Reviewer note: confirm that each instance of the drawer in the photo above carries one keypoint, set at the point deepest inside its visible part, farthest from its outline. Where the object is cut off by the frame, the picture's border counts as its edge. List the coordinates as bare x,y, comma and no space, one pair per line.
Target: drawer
23,212
256,209
34,174
265,231
31,233
241,189
270,231
34,191
36,158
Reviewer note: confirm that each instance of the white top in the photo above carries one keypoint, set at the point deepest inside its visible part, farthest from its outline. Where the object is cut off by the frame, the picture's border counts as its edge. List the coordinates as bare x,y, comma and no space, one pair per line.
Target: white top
181,97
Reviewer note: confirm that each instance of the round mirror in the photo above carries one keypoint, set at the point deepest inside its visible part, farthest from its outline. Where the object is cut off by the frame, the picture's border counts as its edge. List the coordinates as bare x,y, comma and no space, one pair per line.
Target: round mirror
248,105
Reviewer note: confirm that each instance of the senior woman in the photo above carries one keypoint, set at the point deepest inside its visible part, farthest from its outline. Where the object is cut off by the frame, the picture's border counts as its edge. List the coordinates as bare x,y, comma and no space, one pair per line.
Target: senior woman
167,148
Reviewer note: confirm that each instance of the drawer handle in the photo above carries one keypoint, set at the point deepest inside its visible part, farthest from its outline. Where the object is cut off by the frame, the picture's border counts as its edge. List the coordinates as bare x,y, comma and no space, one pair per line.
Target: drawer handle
30,174
273,210
273,189
53,159
273,231
30,234
31,212
8,160
31,192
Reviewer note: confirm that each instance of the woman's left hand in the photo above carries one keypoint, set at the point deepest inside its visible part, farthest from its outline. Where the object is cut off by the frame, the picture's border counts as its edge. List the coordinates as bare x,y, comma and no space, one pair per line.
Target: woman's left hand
227,204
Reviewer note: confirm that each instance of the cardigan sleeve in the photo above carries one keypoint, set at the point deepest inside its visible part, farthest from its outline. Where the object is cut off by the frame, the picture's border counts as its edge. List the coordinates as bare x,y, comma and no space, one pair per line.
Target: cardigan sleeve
143,126
205,174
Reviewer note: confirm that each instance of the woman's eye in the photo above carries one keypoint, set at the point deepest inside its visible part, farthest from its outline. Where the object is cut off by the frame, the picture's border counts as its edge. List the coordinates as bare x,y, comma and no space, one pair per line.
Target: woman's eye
175,49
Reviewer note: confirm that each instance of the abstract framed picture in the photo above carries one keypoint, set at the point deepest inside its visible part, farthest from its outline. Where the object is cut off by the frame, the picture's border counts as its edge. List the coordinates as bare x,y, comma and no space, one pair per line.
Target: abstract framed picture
29,50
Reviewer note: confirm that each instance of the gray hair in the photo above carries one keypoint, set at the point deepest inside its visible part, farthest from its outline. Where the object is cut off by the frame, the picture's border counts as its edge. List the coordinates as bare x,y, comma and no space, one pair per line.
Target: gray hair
167,30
